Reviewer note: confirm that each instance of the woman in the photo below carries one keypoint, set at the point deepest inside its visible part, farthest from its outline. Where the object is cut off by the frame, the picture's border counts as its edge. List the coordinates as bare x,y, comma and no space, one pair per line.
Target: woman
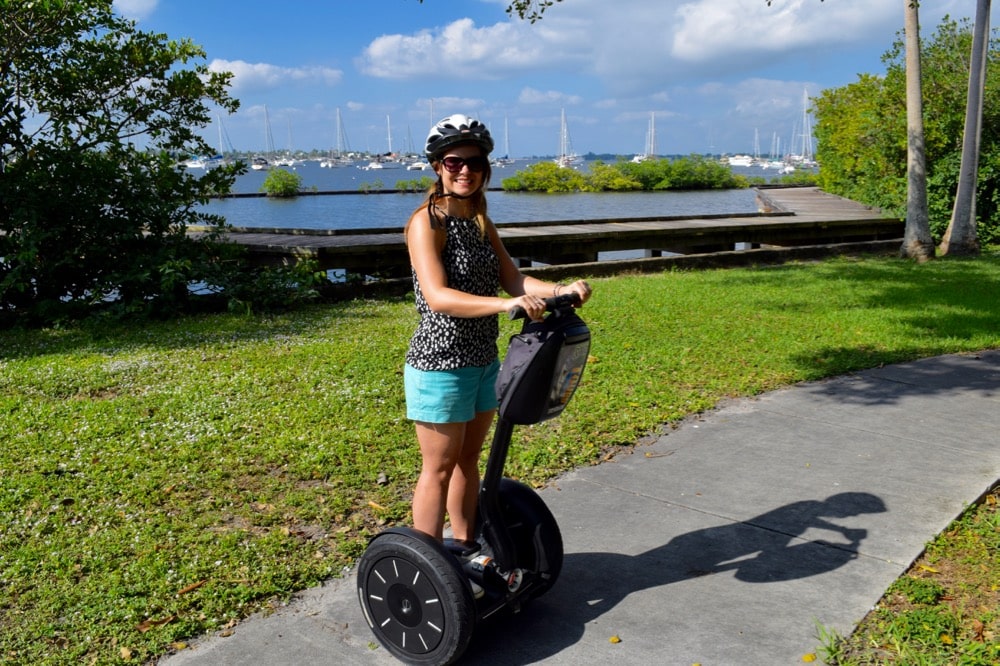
459,264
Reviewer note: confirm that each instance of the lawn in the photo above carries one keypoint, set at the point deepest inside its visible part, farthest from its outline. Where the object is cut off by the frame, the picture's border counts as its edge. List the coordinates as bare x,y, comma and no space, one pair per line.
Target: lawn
163,480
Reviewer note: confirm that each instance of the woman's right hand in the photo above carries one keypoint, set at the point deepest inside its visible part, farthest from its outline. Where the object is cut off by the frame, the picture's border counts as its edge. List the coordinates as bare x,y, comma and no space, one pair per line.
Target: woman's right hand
533,306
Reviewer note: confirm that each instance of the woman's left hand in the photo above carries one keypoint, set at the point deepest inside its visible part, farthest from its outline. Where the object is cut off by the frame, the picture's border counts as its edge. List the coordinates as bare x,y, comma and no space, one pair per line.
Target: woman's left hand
581,288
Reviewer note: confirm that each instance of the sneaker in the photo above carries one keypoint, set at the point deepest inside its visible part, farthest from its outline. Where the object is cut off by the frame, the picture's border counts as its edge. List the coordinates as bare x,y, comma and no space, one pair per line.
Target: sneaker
463,550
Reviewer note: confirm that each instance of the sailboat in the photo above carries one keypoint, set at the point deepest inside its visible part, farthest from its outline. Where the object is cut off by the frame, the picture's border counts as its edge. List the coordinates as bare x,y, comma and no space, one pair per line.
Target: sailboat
219,158
390,161
338,157
774,160
412,161
504,160
567,158
289,158
208,162
259,162
650,141
805,158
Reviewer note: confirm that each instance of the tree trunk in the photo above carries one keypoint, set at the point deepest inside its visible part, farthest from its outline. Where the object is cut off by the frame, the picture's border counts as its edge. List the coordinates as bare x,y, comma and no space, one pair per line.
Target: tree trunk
917,241
961,237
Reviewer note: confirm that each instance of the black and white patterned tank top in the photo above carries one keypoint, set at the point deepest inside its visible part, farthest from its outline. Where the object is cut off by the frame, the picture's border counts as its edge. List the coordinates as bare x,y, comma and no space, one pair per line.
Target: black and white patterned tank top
443,342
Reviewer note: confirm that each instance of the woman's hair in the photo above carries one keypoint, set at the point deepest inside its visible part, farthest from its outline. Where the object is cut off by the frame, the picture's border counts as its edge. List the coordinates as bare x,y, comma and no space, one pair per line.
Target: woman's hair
436,192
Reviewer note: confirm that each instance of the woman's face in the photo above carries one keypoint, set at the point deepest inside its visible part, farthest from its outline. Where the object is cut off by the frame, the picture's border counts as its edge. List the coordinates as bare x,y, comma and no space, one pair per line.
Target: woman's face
461,169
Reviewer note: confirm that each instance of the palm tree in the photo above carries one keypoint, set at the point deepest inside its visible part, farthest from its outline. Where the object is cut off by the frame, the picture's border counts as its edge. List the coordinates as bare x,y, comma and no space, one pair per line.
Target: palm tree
961,238
917,241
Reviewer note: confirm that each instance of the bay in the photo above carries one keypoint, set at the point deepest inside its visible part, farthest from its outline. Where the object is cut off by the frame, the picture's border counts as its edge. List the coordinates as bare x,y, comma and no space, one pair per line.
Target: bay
349,208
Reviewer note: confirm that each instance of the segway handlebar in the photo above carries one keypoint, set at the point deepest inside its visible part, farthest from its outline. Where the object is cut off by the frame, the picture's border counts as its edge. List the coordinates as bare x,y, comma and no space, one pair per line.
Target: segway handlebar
552,304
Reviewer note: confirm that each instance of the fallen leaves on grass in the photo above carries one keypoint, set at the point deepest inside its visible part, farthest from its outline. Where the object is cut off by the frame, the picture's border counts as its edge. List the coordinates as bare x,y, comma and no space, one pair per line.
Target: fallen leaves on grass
190,588
146,625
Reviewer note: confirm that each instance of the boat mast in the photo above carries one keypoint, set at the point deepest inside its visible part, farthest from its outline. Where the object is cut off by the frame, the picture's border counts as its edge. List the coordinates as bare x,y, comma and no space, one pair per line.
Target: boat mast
506,139
268,137
563,135
806,128
340,135
651,143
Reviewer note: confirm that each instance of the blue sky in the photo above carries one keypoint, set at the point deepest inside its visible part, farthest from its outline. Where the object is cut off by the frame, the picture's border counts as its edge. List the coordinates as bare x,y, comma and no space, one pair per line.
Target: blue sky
713,72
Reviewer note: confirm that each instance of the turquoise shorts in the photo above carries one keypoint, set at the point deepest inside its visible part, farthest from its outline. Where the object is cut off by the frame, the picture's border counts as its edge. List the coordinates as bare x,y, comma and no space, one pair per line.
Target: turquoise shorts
450,396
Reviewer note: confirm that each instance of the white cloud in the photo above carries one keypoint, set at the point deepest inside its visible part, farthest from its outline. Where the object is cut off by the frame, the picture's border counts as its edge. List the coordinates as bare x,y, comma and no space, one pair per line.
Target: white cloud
708,30
461,50
261,76
135,9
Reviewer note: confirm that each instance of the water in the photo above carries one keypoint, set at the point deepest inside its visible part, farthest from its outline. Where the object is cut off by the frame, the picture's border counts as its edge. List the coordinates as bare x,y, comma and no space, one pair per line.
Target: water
353,211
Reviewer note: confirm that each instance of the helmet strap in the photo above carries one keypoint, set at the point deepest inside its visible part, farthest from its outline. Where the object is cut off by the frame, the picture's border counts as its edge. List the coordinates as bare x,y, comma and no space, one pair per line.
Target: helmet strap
433,207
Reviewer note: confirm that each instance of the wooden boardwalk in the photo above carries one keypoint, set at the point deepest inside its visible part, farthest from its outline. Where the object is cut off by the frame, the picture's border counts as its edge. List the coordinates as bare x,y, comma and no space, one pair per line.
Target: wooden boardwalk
789,217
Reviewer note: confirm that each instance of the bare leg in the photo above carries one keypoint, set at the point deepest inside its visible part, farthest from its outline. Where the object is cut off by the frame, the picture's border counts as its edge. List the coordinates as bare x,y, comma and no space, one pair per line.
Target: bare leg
440,448
463,491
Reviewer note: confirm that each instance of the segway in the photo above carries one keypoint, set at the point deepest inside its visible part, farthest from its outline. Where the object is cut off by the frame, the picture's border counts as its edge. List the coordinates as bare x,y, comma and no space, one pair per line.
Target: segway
423,598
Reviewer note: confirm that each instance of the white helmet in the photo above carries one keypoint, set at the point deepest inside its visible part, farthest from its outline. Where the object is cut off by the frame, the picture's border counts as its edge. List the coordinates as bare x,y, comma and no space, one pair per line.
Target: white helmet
456,129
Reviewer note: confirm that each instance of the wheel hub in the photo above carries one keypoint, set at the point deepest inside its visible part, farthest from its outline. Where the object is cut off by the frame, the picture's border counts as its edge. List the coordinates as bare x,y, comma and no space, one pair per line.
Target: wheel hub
404,605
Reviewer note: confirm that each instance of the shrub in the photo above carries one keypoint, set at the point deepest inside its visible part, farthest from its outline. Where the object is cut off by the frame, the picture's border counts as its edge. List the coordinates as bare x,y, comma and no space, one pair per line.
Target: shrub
610,178
687,173
281,183
546,177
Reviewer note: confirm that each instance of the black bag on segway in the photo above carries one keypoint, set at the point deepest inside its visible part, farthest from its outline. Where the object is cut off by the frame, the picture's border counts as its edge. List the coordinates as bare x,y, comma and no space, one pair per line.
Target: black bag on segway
543,367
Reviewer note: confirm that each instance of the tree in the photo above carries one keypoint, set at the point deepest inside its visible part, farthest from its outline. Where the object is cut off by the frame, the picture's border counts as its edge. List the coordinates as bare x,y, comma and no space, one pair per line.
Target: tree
960,237
917,241
95,116
530,10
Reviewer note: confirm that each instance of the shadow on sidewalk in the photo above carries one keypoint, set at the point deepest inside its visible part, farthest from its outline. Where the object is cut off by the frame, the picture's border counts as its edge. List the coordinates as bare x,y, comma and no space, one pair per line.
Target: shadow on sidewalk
765,549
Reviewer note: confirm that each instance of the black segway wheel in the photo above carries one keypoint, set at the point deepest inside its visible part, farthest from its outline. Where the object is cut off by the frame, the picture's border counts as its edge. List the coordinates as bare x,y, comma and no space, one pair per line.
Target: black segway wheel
534,532
415,598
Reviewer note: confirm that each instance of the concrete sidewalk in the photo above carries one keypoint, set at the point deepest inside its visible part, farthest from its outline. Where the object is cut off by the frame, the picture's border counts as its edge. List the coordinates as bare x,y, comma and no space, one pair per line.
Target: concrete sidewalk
724,542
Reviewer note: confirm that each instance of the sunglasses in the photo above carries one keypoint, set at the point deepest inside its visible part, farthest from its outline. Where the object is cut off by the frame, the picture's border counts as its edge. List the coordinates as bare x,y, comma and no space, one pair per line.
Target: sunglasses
476,164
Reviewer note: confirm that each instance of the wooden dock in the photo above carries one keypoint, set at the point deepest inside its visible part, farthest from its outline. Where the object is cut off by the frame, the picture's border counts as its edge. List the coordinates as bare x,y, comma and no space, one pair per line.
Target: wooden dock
788,217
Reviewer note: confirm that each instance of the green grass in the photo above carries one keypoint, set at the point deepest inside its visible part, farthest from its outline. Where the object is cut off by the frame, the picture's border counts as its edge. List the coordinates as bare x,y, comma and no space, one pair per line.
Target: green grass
944,610
163,480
